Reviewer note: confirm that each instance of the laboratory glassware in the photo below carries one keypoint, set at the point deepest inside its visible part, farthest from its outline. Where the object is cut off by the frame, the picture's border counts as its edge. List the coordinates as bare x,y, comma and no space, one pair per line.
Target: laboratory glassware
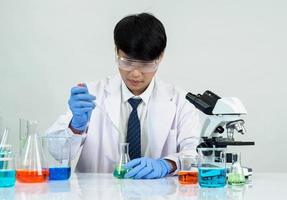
4,147
236,175
32,167
57,151
212,167
120,171
7,168
188,172
4,137
23,133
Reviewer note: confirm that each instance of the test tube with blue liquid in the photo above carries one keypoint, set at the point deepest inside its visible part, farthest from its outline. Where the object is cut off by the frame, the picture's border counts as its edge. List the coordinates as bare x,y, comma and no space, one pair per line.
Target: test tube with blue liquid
57,151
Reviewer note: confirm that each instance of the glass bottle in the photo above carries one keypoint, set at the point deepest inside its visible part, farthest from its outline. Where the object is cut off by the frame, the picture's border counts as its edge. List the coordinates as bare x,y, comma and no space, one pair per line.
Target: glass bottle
32,166
120,171
236,175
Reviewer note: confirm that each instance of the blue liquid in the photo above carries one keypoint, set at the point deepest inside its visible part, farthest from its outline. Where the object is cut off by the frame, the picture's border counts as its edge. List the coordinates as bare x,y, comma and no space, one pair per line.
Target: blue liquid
7,178
212,177
59,173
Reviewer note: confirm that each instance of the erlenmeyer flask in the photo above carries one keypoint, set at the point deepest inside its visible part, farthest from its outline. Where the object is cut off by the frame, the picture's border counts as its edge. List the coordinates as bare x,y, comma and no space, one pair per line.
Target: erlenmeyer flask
236,175
120,171
23,133
32,167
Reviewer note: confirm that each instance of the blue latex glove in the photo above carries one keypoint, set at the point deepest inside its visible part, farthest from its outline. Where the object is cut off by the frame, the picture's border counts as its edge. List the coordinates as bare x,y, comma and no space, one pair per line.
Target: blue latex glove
147,168
81,104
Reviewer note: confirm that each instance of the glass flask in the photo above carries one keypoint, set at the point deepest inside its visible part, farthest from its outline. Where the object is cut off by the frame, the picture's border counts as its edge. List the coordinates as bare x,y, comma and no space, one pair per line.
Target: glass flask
188,173
57,151
7,169
23,133
212,167
32,167
120,171
236,175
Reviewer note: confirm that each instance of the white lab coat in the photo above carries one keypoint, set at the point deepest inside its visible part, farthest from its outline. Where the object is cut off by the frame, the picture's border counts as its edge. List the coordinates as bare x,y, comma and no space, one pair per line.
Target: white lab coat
173,126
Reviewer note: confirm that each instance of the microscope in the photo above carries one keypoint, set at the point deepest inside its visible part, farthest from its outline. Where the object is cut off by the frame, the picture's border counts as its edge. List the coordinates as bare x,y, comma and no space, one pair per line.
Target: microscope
223,118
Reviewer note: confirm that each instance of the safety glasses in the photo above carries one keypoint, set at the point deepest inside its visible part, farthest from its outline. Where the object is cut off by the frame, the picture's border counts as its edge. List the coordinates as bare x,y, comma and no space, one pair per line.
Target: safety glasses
143,66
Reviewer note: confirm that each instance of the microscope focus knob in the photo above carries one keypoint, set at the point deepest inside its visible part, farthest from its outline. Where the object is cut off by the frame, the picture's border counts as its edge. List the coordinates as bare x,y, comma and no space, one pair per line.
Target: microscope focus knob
219,129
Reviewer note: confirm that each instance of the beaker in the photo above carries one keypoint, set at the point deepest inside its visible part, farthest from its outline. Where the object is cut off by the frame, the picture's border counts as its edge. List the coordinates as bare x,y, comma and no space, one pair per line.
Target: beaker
212,167
32,167
57,151
7,169
120,171
4,147
188,172
236,175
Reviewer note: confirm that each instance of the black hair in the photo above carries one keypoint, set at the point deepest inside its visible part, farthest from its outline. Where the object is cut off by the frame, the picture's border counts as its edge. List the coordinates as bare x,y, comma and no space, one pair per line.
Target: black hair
140,36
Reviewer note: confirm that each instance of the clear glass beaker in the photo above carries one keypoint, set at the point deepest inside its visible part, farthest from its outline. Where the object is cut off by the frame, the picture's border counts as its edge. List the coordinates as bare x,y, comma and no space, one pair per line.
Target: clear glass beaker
57,151
188,172
4,149
120,171
212,167
7,169
236,175
32,167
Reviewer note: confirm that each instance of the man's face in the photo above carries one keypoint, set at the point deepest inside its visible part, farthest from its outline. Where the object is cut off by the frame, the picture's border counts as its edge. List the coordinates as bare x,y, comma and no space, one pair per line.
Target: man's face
136,79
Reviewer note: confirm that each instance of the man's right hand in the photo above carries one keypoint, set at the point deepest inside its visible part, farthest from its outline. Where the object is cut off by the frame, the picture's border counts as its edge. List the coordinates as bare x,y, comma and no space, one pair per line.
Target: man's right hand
81,104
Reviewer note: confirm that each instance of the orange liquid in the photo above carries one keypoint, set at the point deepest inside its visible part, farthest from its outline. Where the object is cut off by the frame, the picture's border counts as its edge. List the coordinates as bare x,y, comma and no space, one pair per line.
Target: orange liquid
32,176
186,177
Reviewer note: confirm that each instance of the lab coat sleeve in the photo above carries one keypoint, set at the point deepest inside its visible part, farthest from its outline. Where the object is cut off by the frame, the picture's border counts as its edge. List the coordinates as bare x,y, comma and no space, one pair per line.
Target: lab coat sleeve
61,128
188,128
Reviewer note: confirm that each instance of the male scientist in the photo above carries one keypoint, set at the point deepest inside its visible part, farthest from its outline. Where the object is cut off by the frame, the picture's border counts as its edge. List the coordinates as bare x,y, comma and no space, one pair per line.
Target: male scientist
134,107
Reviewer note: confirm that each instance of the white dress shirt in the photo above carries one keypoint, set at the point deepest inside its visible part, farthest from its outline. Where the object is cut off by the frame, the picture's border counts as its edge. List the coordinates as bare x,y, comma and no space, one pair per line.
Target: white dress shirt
126,109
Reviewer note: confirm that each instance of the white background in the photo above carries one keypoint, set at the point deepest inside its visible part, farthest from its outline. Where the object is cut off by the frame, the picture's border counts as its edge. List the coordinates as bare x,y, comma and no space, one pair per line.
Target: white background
232,47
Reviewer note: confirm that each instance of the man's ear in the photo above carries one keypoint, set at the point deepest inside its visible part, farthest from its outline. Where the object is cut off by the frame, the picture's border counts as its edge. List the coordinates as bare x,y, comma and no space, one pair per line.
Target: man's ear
160,57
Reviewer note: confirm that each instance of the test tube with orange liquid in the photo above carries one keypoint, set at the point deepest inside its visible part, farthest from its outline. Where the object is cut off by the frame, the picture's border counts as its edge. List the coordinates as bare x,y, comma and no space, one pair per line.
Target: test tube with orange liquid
188,173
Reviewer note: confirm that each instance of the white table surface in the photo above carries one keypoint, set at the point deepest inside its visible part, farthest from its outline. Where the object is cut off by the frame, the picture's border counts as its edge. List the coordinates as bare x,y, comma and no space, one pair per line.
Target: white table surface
269,186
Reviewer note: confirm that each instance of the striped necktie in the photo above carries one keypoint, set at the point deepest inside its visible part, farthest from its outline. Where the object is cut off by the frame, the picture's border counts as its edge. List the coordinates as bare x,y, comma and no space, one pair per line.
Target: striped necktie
134,130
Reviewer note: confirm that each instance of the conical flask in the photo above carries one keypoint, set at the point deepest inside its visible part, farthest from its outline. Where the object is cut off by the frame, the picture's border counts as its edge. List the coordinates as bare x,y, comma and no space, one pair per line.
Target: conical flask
31,165
120,171
23,133
236,175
